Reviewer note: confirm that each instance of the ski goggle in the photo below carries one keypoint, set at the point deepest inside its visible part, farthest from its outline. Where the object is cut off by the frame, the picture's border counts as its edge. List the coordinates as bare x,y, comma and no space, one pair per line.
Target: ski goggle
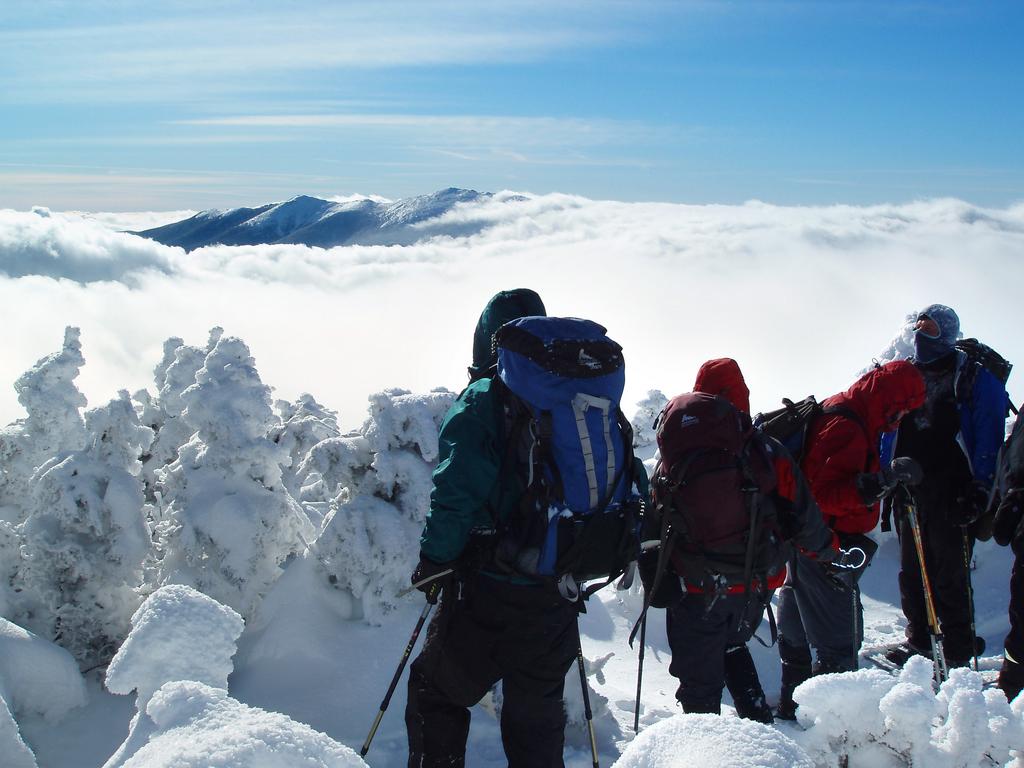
927,327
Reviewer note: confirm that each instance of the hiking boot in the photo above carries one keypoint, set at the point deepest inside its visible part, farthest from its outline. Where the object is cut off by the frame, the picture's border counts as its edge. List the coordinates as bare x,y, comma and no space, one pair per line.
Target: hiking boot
954,660
744,686
786,709
901,654
831,666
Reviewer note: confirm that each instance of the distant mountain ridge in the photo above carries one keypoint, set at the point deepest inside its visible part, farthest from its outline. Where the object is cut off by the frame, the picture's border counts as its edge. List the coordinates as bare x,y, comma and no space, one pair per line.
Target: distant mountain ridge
311,221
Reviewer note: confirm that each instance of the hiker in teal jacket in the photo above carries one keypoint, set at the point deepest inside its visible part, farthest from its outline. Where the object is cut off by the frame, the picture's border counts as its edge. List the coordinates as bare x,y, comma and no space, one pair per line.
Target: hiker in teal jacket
487,627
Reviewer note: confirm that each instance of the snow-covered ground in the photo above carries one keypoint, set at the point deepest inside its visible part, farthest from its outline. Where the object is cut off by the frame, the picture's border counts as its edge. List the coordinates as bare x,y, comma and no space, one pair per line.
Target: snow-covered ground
304,658
243,556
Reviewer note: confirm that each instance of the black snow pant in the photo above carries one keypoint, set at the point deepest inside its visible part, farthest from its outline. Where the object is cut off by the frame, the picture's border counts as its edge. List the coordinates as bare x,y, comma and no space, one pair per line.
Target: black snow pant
820,613
1011,677
524,635
948,574
700,638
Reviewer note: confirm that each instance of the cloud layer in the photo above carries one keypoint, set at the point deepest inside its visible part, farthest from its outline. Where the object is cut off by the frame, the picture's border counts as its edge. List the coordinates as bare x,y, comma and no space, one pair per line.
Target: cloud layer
802,297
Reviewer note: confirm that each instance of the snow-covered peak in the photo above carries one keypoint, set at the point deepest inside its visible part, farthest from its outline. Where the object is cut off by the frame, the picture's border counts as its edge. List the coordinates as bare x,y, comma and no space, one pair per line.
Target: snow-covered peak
288,216
314,221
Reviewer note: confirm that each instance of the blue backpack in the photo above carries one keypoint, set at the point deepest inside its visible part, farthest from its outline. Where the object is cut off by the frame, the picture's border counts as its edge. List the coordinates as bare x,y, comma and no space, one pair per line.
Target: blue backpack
579,518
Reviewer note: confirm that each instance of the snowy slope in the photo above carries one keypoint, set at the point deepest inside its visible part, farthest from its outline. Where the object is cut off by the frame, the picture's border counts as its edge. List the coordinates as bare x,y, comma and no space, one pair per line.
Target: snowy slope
311,221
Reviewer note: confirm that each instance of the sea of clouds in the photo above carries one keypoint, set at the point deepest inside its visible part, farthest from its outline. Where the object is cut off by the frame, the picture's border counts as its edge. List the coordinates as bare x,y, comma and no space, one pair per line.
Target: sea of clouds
802,297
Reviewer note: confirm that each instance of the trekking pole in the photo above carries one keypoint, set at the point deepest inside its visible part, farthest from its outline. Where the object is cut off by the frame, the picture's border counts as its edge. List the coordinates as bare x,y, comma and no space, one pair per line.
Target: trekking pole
586,702
398,672
938,656
970,596
640,673
856,627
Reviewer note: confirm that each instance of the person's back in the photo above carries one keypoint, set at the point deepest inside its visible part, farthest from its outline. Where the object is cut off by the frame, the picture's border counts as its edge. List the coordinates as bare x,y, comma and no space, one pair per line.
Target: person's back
841,460
727,585
841,464
512,615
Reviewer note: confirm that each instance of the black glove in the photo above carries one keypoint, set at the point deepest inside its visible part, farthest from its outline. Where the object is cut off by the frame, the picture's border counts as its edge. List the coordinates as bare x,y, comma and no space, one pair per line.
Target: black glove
870,487
834,571
973,504
431,578
876,486
904,470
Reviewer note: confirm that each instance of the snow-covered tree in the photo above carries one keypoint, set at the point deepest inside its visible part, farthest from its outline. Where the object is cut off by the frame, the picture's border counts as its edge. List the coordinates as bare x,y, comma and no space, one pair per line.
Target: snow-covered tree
334,468
229,522
85,538
369,540
647,411
53,424
304,424
175,373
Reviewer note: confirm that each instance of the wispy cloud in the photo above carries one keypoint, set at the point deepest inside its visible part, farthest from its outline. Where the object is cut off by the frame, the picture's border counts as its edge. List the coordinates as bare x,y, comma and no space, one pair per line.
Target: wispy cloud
94,53
494,130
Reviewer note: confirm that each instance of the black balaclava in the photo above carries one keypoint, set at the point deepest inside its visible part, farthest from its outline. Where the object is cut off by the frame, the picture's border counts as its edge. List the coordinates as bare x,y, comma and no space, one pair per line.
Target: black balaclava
928,349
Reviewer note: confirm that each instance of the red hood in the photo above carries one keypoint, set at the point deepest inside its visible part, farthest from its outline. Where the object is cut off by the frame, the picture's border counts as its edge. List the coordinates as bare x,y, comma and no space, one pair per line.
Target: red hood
723,377
879,394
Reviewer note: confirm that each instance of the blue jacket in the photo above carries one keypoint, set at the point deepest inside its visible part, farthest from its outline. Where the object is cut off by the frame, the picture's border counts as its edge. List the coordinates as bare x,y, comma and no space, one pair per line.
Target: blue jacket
982,422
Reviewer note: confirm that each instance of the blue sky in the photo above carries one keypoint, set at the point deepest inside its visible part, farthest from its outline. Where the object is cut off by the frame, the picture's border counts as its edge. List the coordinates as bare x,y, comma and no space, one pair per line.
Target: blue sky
115,105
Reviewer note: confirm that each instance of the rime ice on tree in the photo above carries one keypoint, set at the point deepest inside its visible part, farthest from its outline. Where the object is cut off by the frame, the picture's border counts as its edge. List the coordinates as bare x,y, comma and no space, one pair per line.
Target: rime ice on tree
369,540
304,424
175,373
85,538
229,523
53,425
647,410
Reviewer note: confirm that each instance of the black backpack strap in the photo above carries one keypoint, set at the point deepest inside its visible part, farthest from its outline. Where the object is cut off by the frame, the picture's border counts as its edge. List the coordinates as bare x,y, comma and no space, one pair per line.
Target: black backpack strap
773,627
516,421
667,539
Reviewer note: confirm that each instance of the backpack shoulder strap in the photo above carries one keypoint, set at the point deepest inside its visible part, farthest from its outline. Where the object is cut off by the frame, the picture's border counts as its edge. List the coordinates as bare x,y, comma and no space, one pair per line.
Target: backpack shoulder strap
848,413
516,421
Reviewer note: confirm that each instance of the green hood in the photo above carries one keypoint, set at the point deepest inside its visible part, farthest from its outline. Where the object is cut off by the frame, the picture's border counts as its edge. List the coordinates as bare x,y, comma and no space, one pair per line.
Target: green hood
504,307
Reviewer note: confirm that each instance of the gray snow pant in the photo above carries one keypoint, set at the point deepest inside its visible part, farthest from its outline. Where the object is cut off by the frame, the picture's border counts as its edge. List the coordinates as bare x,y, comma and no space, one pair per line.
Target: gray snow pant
815,612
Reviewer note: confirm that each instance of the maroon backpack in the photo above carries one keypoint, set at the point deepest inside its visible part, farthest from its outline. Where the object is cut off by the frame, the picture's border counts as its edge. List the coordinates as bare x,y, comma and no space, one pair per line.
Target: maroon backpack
711,514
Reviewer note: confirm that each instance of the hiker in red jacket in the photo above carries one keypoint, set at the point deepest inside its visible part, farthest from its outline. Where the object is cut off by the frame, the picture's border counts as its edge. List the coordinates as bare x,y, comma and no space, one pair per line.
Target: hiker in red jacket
841,464
722,377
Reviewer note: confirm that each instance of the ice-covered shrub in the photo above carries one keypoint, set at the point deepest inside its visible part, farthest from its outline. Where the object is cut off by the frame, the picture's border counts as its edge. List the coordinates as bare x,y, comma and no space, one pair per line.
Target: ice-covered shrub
334,466
177,634
53,424
304,424
10,558
175,373
711,741
196,726
840,712
369,541
904,722
85,538
644,443
647,411
229,523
